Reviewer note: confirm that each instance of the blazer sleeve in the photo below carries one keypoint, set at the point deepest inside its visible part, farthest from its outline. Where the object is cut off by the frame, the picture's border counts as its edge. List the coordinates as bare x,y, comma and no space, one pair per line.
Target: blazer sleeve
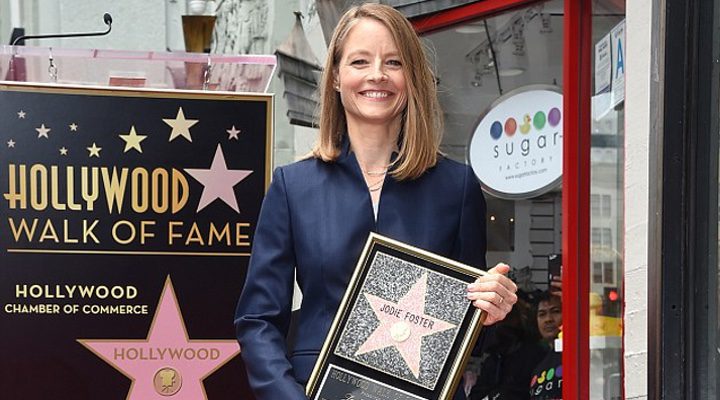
263,312
471,243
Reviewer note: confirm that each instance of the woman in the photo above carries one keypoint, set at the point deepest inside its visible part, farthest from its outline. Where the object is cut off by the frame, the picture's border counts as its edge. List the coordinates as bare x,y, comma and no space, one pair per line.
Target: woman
377,168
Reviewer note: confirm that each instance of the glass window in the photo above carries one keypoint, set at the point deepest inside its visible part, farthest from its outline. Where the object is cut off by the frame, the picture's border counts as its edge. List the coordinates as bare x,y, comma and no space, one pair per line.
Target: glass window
478,62
606,188
595,205
597,272
606,205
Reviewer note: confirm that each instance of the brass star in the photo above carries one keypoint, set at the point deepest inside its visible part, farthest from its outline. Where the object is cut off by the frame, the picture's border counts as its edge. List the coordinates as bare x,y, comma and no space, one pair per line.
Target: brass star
63,151
180,126
132,140
94,150
73,127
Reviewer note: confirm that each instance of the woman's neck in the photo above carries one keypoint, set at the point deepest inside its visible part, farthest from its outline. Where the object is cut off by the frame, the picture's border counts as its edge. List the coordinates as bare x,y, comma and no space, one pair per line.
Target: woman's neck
373,146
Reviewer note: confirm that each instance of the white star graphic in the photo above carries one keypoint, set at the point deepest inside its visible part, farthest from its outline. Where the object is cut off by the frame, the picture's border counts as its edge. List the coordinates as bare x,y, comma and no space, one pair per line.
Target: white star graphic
11,143
21,114
43,131
94,150
218,181
73,127
132,140
63,151
233,133
180,126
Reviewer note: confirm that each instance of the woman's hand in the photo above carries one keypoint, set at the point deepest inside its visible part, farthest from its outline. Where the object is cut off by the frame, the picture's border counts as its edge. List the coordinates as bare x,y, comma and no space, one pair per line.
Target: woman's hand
493,293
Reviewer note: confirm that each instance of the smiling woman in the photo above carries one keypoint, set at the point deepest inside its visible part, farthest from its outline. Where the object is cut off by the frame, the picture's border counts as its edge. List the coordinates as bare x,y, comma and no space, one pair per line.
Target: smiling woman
371,80
376,168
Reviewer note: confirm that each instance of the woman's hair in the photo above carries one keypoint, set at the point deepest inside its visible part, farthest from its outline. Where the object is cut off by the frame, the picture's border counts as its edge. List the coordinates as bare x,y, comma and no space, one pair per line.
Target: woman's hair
422,120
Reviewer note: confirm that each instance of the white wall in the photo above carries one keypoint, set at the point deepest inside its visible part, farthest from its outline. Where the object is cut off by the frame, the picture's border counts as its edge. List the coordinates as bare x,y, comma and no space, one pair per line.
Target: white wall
137,25
5,25
641,72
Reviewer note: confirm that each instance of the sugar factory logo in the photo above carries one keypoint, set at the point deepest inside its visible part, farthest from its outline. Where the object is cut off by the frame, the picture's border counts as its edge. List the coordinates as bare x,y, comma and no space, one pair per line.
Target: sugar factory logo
166,363
546,383
516,149
511,126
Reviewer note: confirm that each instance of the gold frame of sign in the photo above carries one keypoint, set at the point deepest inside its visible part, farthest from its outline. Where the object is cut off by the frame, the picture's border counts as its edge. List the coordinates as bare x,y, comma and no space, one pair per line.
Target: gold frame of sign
404,329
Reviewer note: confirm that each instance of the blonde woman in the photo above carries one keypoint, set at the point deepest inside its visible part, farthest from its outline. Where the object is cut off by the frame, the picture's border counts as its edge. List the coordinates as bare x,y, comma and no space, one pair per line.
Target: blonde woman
376,167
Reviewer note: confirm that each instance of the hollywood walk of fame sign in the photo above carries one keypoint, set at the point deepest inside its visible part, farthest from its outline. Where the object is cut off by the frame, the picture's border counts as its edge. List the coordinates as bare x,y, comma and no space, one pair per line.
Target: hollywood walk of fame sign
105,196
404,329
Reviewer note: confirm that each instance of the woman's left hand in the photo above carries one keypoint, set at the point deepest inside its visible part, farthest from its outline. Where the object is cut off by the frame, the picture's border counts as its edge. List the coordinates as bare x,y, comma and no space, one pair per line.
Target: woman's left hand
494,293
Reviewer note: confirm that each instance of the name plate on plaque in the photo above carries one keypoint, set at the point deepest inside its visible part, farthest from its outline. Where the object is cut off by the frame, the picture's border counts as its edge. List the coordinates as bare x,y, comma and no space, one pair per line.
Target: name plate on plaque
404,329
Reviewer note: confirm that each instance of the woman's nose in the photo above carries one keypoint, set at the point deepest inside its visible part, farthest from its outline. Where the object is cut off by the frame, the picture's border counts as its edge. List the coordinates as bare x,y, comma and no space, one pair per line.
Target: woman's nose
378,74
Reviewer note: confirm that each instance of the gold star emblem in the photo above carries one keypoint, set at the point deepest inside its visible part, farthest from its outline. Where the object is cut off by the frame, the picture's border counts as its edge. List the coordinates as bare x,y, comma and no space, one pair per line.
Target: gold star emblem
63,151
132,140
43,131
180,126
94,150
73,127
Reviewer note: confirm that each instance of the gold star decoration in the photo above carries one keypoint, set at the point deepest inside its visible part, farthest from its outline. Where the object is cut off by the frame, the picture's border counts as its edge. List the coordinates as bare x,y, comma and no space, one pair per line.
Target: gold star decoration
43,131
21,114
180,126
73,127
63,151
94,150
132,140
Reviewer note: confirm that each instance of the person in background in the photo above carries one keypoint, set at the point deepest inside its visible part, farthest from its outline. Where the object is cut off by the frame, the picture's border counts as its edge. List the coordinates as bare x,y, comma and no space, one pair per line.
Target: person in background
546,380
377,167
549,317
510,353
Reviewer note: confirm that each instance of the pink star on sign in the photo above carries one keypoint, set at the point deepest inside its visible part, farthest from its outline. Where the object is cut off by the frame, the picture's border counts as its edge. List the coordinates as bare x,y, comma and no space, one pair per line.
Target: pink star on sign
403,324
218,181
166,363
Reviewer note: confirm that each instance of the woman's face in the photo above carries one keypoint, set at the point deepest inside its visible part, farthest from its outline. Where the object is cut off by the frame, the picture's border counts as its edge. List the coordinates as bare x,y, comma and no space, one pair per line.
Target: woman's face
371,77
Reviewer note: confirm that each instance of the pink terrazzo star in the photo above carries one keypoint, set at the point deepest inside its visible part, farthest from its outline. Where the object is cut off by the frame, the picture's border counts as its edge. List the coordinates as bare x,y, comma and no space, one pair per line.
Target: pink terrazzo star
218,181
403,324
167,362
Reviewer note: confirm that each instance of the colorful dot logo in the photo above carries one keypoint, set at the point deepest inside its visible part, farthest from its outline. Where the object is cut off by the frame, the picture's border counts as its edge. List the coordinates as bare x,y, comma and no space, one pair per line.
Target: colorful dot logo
539,120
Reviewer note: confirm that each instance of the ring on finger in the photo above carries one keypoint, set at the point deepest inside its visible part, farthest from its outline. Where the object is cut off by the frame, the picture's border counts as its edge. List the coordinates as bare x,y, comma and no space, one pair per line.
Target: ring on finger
502,299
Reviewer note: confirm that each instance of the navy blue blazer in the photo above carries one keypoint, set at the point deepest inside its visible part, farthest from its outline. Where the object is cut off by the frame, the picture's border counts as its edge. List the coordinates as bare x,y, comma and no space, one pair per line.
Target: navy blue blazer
314,221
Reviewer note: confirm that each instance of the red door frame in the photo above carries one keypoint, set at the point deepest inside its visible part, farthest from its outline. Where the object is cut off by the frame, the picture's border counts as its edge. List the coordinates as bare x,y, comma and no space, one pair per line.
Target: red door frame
577,50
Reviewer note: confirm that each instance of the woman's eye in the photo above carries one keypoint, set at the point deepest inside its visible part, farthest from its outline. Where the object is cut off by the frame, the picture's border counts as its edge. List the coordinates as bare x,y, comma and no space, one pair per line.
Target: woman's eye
395,63
358,62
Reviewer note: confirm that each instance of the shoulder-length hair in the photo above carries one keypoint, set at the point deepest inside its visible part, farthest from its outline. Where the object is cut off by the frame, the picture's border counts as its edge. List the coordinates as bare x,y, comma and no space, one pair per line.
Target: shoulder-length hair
422,119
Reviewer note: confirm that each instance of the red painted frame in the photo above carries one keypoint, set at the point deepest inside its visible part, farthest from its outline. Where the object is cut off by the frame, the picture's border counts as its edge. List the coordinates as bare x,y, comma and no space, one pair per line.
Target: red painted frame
577,51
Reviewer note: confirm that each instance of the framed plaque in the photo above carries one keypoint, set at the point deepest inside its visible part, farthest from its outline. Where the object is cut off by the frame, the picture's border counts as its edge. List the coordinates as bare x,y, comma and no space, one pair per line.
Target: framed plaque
404,329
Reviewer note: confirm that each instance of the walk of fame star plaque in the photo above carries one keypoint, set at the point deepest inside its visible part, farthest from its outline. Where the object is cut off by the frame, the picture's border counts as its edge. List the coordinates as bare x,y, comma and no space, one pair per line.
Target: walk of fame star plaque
404,329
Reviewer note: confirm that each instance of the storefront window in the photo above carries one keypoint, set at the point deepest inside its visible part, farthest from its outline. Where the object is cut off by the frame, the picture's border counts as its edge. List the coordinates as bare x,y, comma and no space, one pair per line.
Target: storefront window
482,66
606,199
